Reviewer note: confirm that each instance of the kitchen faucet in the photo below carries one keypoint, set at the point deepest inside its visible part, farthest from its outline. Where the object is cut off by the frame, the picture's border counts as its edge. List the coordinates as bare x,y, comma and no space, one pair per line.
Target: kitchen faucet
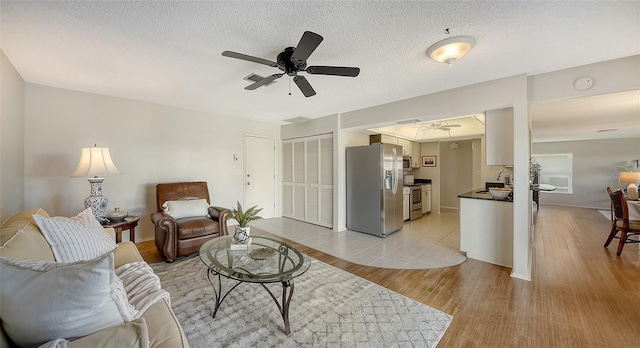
507,178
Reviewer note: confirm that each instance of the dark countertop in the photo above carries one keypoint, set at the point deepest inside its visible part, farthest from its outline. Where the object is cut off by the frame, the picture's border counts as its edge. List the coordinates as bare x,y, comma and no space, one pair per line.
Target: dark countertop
418,182
422,181
485,196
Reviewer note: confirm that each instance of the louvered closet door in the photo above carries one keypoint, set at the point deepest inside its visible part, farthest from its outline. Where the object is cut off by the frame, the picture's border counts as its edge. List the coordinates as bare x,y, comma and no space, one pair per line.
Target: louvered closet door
299,180
326,182
313,188
287,179
308,179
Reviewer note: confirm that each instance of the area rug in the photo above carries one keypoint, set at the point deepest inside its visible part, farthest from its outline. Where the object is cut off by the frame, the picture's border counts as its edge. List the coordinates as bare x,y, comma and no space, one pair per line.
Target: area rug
329,308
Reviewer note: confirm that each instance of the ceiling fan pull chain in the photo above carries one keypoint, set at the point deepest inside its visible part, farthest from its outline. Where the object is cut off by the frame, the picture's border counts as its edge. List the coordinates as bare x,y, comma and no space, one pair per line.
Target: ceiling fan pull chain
290,86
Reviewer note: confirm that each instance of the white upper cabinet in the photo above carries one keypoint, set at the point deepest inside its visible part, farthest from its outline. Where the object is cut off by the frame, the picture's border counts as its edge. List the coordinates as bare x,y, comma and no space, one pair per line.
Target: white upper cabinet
499,137
382,138
415,155
406,147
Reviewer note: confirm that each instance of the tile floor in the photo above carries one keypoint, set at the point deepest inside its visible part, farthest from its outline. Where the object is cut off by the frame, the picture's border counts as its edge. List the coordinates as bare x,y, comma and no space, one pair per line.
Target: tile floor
432,241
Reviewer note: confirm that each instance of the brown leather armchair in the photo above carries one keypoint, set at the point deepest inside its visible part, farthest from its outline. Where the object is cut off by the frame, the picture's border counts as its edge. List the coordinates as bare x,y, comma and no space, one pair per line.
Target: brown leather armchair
185,236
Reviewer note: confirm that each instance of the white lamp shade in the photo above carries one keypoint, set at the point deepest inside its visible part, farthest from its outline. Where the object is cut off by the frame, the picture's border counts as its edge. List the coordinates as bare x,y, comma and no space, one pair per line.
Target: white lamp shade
629,177
451,49
94,162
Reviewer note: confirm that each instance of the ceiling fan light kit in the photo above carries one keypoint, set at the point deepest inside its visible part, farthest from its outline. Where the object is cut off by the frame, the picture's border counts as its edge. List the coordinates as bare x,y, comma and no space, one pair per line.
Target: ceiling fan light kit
292,61
451,49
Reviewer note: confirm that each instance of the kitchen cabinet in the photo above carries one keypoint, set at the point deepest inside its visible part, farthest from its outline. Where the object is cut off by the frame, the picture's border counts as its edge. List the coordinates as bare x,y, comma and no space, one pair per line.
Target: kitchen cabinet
382,138
486,230
406,147
416,155
406,196
499,137
307,180
426,198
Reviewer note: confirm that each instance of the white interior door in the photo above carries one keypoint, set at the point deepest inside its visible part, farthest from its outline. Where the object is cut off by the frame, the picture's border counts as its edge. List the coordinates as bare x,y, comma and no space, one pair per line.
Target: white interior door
260,174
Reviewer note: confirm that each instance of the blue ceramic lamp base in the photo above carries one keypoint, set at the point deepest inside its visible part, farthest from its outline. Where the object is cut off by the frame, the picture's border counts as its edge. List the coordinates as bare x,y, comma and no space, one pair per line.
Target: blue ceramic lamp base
96,201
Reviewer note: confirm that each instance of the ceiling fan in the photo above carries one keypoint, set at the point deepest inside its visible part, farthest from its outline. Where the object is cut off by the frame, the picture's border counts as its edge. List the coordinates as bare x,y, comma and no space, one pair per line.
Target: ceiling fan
441,126
294,60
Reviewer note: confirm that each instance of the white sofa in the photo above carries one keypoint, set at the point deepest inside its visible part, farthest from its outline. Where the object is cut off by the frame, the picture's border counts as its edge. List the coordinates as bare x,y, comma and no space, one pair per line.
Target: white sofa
21,238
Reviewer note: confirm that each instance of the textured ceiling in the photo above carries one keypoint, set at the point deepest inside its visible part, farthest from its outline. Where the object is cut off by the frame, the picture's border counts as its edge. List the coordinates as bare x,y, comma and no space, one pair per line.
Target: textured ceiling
170,52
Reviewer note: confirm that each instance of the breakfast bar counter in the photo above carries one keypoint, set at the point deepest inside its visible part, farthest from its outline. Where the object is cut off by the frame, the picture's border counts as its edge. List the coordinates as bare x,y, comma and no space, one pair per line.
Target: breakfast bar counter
483,194
486,228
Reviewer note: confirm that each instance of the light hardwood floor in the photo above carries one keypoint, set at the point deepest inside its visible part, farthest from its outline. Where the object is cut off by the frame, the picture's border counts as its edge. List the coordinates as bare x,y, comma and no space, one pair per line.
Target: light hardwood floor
581,294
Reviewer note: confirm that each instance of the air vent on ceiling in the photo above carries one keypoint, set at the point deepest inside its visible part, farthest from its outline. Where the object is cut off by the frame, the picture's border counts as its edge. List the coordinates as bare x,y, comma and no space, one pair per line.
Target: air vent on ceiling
297,119
415,120
255,78
607,130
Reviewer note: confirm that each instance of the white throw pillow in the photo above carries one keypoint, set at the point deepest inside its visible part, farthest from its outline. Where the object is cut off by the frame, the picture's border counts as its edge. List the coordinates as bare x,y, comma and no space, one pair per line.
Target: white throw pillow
76,238
42,301
186,208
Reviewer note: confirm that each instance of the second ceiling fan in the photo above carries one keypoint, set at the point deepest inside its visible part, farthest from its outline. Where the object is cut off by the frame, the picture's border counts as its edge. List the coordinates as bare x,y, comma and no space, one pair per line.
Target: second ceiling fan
294,60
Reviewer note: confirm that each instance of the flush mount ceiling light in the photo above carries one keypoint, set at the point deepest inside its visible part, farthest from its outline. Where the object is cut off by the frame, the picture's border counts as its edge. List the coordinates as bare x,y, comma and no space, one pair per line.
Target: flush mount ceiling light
451,49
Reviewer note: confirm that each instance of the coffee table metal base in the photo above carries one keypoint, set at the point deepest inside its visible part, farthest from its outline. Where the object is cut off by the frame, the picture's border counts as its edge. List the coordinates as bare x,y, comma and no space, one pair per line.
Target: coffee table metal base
287,293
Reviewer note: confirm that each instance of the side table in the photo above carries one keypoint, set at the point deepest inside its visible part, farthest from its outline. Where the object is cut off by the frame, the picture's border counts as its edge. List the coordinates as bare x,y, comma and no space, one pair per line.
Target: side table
129,223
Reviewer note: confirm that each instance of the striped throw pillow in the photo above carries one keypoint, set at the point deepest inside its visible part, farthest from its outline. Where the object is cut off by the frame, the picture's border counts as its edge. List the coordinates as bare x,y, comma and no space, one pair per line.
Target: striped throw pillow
76,238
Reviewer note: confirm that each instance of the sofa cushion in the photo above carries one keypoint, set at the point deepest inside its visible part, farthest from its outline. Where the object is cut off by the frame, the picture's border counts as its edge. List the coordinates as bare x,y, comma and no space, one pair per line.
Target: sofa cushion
42,301
186,208
131,335
196,227
164,329
75,238
126,252
20,237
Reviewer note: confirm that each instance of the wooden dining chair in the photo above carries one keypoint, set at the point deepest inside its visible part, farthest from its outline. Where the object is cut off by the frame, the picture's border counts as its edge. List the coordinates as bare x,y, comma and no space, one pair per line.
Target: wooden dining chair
620,221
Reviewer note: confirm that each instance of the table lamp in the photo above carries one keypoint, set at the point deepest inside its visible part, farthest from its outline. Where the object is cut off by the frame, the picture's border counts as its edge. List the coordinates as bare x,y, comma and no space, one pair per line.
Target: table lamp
631,178
95,162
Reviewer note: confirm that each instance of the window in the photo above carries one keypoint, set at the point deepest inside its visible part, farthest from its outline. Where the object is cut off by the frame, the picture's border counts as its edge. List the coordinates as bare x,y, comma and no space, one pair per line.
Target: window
557,170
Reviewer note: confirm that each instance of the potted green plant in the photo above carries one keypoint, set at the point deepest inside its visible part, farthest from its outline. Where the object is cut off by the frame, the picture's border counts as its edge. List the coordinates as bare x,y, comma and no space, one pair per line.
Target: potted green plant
243,217
534,169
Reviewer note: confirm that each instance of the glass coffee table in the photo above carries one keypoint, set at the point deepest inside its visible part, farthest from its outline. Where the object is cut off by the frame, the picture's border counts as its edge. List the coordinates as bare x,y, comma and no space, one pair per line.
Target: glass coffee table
266,261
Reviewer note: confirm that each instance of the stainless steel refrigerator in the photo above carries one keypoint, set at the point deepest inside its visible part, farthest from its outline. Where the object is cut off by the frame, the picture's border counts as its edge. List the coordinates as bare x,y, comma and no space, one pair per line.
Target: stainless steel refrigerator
374,188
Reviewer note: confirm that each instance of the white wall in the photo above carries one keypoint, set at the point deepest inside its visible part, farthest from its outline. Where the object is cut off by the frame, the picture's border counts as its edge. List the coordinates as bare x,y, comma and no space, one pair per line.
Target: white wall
149,144
596,165
456,172
612,76
11,139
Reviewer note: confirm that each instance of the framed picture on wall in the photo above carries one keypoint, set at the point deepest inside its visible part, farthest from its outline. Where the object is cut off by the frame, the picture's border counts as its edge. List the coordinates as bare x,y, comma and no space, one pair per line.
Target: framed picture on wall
429,161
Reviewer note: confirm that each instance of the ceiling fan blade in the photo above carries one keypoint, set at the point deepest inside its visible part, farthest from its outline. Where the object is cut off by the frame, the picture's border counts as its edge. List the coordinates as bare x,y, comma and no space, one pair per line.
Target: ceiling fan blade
308,43
304,86
253,59
263,82
333,70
